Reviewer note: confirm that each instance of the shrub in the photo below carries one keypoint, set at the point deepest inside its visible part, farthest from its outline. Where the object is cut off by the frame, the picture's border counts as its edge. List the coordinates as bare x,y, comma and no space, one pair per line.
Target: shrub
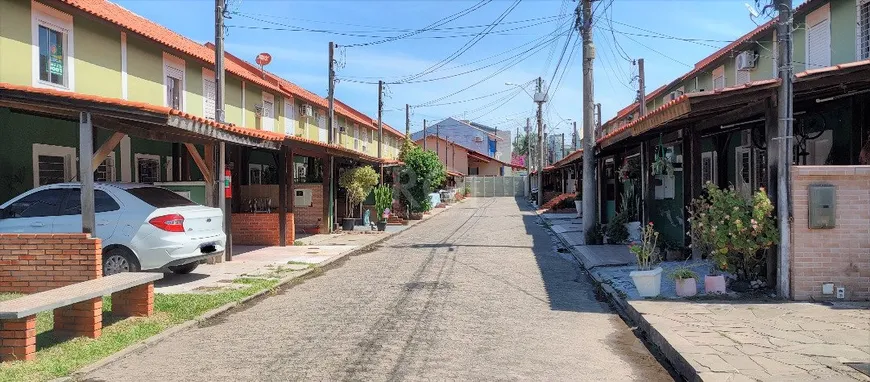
423,171
594,236
383,200
616,231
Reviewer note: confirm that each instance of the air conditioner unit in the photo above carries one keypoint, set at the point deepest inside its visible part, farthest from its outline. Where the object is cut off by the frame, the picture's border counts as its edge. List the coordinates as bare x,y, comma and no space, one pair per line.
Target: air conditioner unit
258,109
477,139
674,95
302,198
746,60
307,110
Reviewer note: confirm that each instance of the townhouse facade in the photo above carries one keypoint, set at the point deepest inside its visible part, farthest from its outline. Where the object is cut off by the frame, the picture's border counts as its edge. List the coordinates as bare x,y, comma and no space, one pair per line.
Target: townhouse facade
100,49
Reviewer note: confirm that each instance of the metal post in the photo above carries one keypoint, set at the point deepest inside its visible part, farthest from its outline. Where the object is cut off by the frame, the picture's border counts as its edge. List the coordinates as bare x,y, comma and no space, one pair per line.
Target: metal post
282,197
380,121
786,115
576,140
331,96
219,60
86,172
424,135
407,120
589,192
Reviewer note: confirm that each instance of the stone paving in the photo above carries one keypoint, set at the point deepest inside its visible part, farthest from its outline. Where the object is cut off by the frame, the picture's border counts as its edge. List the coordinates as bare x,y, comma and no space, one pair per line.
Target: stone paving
736,340
475,294
252,261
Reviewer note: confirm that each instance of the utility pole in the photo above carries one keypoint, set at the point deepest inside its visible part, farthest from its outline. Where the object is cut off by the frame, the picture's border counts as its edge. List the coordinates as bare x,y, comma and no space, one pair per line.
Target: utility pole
785,109
641,84
331,122
562,149
407,120
597,116
584,22
380,121
424,135
438,140
220,154
576,140
539,99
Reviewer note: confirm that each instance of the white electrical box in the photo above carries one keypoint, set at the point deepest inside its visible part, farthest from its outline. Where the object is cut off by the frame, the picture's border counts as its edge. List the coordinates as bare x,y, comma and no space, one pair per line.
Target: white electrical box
828,288
302,198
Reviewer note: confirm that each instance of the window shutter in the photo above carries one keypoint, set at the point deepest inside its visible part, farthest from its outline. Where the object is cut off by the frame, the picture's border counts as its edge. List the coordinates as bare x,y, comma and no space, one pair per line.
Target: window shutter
864,30
719,77
208,104
742,77
819,38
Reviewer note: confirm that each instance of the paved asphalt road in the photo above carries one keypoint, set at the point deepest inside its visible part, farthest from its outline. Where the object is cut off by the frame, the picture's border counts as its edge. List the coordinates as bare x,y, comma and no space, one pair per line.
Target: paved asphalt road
475,293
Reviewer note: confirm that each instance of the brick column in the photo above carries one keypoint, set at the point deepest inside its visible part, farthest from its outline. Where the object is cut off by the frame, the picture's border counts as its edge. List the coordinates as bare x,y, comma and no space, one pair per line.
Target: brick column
18,339
136,301
84,319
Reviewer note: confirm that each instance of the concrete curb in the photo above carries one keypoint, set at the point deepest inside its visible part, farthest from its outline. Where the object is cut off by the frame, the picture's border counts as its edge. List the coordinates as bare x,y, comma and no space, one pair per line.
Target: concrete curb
151,341
632,316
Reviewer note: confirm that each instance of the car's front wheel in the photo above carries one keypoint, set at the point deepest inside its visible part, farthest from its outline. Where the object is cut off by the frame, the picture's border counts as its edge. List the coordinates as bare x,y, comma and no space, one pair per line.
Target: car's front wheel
184,269
118,260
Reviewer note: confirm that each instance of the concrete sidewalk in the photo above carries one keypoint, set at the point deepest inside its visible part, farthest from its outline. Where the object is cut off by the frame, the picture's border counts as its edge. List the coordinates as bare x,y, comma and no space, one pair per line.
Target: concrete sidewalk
250,261
735,340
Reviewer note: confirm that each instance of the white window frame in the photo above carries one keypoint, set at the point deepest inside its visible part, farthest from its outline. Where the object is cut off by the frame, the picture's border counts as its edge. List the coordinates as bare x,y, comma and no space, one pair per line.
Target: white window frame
814,18
356,137
138,156
208,113
57,151
290,118
858,36
268,123
42,15
174,63
167,163
737,73
720,72
714,165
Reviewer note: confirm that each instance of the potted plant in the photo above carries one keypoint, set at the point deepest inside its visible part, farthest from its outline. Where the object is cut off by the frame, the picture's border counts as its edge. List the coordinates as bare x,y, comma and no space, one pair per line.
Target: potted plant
686,281
383,201
358,183
615,231
594,236
629,209
466,190
647,280
736,231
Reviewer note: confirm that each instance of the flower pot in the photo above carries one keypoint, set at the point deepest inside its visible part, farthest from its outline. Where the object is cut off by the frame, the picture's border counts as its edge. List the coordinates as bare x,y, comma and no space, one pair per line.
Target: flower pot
415,216
578,204
634,233
687,287
382,225
347,224
714,284
648,283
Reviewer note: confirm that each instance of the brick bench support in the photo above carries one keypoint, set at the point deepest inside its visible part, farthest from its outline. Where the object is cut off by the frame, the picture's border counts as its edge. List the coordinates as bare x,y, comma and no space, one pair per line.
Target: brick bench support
18,339
134,302
84,319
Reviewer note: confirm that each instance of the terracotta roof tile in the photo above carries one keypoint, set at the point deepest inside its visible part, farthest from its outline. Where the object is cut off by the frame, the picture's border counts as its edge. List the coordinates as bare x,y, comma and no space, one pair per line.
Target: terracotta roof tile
265,135
829,69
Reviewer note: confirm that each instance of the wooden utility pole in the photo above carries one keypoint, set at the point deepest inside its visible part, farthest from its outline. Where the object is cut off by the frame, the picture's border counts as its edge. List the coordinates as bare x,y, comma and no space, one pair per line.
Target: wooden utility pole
540,154
785,109
424,135
584,22
641,85
331,96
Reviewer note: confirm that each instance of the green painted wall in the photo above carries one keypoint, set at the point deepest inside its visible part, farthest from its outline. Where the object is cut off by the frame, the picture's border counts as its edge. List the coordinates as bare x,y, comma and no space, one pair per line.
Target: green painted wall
844,16
97,58
253,96
144,71
233,94
764,62
193,88
15,40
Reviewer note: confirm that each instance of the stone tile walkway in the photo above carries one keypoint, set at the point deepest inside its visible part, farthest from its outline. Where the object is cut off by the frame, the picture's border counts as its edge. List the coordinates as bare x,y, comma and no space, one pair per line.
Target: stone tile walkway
788,341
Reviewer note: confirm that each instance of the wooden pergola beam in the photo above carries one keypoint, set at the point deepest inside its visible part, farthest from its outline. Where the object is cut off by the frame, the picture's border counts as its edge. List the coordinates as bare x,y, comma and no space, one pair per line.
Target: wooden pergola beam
200,162
107,147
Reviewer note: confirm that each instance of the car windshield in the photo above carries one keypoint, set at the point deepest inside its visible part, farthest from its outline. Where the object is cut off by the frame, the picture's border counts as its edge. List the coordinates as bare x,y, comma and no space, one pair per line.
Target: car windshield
160,197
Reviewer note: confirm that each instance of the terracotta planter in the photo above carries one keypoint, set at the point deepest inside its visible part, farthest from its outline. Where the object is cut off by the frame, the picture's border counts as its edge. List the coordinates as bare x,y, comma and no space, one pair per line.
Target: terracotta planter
687,287
714,284
648,283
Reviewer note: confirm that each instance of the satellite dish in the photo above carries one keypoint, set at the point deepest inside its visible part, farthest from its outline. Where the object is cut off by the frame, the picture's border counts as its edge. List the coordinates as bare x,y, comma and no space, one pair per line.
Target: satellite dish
264,59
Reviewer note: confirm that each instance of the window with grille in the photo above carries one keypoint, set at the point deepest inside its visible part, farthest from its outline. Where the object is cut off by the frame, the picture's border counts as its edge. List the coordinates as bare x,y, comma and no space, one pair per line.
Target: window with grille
147,168
708,167
52,169
105,172
864,29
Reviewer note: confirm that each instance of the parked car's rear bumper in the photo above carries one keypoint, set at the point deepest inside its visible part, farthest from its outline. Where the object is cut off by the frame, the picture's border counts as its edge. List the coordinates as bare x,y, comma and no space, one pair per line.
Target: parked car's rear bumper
172,250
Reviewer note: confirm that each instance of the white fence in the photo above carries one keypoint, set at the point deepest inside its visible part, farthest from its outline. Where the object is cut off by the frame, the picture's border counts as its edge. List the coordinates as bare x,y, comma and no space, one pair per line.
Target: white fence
482,186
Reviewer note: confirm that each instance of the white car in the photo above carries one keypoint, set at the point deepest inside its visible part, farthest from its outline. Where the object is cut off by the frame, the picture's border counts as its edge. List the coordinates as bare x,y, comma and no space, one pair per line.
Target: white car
141,227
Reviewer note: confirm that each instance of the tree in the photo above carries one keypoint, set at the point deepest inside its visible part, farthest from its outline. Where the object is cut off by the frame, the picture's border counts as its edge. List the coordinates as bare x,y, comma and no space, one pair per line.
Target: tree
521,145
358,182
423,171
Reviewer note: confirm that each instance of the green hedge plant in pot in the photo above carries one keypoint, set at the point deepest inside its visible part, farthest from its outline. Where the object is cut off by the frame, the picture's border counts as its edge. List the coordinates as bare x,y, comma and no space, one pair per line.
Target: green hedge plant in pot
383,201
647,280
686,281
357,183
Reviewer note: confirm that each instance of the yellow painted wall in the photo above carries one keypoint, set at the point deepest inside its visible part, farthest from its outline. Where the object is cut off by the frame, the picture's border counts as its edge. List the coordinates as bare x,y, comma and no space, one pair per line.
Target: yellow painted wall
253,96
97,58
233,101
144,71
193,88
15,40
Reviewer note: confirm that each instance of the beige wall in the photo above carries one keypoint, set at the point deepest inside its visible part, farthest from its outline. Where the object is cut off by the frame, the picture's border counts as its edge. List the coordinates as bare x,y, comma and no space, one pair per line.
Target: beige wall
840,255
491,168
454,162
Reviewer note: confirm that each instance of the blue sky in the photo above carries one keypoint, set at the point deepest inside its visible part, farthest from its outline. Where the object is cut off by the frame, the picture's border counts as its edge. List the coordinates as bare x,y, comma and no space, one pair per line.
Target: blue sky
301,57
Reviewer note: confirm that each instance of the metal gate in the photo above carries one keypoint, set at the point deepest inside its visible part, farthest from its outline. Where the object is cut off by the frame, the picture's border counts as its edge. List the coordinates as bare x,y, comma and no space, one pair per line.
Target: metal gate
482,186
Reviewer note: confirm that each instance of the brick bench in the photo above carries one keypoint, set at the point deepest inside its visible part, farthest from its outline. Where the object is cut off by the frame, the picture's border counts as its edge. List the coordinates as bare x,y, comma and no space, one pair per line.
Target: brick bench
78,310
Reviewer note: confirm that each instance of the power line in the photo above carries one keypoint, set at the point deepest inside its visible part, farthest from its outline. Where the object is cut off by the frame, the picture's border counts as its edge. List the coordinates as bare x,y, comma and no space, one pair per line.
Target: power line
470,99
